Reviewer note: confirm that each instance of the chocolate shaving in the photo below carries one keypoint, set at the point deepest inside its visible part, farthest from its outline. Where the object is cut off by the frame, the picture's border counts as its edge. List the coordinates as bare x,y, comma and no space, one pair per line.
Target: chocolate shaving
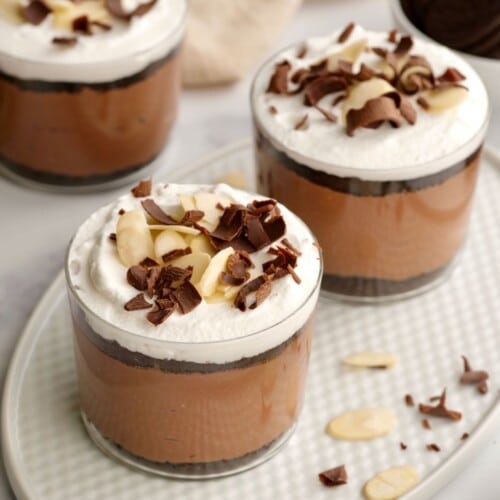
302,52
426,424
169,278
451,75
175,254
115,7
102,25
121,211
327,114
346,33
137,276
157,213
290,247
323,86
273,110
252,286
262,293
301,123
112,236
482,387
404,46
403,446
433,447
230,280
293,274
338,98
148,262
161,311
137,303
409,400
191,217
373,114
470,376
142,189
392,36
279,81
440,410
230,224
81,24
255,232
152,279
334,477
35,12
423,103
464,436
187,297
65,41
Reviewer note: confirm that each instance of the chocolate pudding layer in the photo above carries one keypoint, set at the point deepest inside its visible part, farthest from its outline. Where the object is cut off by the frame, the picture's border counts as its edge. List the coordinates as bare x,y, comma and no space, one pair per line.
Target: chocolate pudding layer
65,133
472,27
375,235
194,418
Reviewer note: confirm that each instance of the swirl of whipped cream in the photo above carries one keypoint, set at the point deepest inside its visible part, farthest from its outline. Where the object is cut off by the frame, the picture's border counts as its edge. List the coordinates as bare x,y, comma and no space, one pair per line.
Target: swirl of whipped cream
212,332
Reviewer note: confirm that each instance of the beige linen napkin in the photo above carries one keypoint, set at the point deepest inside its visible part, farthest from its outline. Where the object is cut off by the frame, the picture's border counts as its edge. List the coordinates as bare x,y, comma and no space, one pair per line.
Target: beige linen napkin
225,38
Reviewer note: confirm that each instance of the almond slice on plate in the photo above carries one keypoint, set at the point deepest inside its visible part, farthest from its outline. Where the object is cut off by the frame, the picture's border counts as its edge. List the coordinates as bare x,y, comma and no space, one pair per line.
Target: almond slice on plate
366,423
370,360
391,483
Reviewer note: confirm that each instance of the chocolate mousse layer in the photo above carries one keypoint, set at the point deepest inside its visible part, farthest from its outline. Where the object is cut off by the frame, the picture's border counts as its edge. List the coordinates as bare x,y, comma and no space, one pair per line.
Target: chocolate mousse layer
472,27
65,133
378,237
195,418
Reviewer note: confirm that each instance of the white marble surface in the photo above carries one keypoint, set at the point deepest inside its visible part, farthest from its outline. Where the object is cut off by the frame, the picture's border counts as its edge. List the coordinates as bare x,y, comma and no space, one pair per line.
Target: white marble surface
35,227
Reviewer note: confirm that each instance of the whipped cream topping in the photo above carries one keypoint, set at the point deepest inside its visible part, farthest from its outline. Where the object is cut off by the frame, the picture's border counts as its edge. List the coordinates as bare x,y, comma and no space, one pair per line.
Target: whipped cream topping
436,141
212,332
27,51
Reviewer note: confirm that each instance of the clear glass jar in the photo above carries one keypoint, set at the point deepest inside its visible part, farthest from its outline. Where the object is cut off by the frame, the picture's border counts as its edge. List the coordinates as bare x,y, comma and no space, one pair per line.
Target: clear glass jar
68,125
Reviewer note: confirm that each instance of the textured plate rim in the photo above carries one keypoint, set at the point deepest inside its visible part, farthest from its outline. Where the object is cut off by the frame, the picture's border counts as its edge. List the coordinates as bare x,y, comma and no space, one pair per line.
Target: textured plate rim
31,332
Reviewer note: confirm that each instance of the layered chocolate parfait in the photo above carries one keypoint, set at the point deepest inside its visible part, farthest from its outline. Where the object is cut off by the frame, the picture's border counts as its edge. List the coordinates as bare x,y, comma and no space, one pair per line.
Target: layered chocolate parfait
88,89
193,319
374,140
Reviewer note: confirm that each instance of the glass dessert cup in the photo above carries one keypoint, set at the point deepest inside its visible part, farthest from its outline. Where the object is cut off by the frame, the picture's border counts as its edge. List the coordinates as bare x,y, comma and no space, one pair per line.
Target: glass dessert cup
381,240
389,233
195,409
79,135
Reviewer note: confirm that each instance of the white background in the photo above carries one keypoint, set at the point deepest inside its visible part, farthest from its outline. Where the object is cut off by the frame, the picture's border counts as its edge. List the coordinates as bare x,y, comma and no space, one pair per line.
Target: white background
35,227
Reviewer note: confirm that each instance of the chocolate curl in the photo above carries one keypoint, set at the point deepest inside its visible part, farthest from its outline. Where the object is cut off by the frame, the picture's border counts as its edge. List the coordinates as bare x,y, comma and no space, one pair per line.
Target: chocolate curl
415,75
451,75
157,213
115,7
187,297
321,87
440,410
36,12
65,41
373,114
334,477
405,106
137,303
404,46
81,24
142,189
260,283
279,81
346,33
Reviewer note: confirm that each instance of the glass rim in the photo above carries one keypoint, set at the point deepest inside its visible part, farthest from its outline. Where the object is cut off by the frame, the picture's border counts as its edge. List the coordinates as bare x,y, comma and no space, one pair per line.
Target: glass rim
352,171
231,341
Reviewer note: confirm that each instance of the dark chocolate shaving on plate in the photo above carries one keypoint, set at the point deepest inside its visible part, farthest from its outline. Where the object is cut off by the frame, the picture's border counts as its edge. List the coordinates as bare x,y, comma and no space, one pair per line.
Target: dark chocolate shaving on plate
115,7
470,376
409,400
440,410
65,41
346,33
35,12
426,424
433,447
482,387
279,81
334,477
157,213
273,110
137,303
187,297
175,254
403,446
464,436
142,189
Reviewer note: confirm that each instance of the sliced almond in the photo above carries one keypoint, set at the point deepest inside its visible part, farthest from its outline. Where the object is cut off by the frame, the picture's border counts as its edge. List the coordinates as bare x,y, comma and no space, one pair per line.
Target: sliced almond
174,227
10,10
228,291
134,245
207,203
370,360
441,99
391,483
64,12
167,241
366,423
364,91
197,260
350,54
210,279
201,244
234,179
216,297
187,202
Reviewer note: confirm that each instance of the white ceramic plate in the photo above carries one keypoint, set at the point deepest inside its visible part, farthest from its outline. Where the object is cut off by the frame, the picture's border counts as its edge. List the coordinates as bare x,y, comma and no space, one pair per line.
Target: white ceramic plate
48,455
